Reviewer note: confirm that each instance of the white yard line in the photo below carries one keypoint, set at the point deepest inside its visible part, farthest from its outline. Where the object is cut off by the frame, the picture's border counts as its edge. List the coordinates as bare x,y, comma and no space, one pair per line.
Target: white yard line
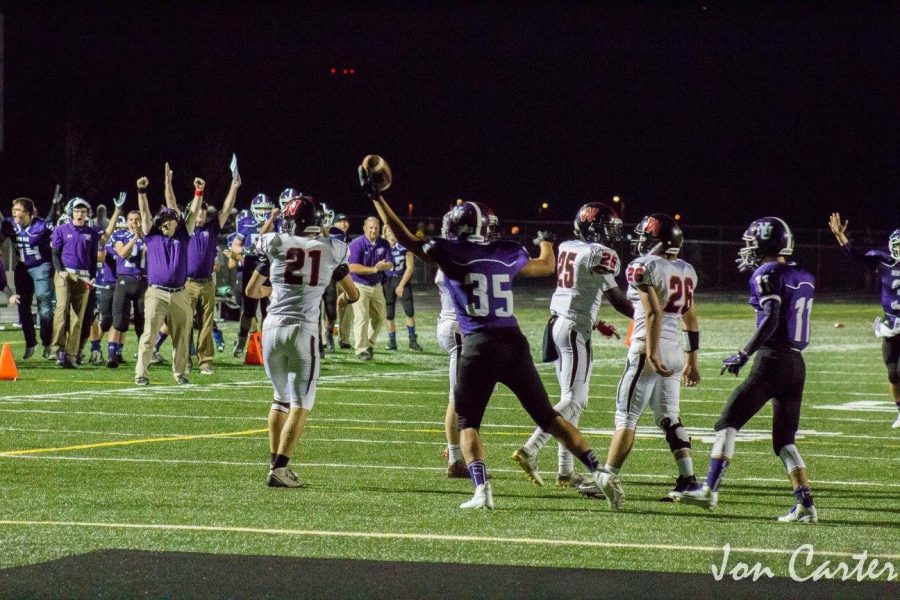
428,537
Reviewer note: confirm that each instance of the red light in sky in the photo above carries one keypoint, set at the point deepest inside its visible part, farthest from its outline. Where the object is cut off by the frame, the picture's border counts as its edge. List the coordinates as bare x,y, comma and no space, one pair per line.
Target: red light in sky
333,70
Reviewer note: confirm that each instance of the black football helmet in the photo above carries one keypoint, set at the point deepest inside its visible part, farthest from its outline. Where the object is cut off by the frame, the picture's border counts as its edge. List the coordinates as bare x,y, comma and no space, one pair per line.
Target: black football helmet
657,234
769,236
472,221
894,244
598,223
301,216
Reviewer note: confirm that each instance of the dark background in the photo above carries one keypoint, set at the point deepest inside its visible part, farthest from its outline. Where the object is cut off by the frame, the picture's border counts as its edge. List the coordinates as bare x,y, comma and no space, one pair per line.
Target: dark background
721,112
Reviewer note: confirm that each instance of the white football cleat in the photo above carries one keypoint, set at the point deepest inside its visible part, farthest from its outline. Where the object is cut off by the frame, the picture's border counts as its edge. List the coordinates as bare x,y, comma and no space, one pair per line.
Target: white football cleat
283,477
800,514
611,486
483,497
896,424
704,497
529,465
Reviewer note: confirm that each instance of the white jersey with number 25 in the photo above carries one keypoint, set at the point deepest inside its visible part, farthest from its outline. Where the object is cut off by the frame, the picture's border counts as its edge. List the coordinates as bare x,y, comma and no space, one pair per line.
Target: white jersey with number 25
584,271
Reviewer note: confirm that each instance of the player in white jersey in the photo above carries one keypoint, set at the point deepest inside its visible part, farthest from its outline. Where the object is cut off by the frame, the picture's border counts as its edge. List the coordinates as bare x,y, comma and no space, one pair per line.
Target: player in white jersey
300,264
450,339
661,289
586,271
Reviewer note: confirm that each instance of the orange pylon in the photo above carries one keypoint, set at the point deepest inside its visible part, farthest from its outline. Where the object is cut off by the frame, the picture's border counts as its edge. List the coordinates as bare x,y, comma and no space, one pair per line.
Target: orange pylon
8,370
253,356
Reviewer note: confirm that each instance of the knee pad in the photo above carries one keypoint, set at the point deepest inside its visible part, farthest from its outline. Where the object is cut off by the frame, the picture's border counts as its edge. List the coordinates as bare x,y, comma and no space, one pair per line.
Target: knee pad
283,407
791,458
676,435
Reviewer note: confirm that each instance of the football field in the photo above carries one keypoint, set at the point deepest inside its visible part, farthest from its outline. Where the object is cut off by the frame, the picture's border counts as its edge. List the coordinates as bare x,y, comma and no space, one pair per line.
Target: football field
89,461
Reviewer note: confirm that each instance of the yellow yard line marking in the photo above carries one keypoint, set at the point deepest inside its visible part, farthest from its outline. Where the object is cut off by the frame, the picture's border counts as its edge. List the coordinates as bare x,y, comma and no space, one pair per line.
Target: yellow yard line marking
174,438
433,537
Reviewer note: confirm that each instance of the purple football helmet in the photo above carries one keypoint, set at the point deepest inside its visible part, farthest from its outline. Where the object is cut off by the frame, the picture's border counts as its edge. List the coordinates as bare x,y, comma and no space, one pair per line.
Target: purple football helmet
286,196
472,221
598,223
769,236
261,207
894,244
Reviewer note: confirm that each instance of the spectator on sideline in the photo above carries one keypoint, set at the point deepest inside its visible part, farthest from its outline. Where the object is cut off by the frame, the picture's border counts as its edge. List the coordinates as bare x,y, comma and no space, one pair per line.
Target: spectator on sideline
166,299
131,283
368,261
201,282
75,246
397,287
30,236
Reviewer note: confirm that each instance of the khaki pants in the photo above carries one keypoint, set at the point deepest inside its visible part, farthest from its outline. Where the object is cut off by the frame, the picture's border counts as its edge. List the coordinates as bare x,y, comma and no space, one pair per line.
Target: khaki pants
204,294
175,310
368,316
345,323
72,296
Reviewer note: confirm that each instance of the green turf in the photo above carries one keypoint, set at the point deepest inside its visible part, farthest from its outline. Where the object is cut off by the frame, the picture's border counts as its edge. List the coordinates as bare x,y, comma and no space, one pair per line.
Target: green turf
376,484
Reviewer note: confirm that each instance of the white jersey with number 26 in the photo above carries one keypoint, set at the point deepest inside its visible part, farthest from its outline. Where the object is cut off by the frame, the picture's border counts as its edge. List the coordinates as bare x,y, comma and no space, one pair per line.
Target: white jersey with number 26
584,271
300,270
674,282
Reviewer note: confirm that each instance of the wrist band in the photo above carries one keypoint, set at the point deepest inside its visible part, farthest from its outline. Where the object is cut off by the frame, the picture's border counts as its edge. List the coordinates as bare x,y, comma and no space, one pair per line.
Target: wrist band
198,193
692,341
142,190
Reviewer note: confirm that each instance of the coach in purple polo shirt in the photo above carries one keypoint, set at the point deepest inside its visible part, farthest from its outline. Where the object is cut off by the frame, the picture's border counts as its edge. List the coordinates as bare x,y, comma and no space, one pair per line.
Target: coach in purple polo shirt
369,258
201,281
166,237
75,246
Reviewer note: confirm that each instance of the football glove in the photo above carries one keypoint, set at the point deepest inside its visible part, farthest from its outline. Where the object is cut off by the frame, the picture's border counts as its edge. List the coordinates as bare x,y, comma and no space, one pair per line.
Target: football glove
606,330
119,200
368,186
544,236
733,363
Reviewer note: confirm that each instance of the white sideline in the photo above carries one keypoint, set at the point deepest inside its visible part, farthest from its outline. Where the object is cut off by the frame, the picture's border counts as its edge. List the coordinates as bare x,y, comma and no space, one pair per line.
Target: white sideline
425,537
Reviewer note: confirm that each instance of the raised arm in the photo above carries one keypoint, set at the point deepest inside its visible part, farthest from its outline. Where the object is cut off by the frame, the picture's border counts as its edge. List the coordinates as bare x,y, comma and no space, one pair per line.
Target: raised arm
144,205
228,204
545,263
199,186
118,201
170,191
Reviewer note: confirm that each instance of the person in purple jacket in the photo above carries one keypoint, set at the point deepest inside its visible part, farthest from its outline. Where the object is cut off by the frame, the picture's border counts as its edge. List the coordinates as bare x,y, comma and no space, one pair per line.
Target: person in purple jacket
887,327
201,281
166,238
75,245
479,272
33,273
781,293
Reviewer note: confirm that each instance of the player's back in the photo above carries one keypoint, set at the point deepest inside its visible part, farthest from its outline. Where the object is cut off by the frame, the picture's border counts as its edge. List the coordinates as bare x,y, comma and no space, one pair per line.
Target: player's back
674,282
300,270
794,287
584,271
479,277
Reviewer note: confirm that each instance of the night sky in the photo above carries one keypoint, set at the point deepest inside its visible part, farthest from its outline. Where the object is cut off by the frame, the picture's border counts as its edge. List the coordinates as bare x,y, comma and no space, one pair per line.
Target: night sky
722,113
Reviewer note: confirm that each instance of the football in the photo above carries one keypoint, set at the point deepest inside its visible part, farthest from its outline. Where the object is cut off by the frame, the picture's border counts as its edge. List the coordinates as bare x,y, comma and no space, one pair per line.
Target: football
379,171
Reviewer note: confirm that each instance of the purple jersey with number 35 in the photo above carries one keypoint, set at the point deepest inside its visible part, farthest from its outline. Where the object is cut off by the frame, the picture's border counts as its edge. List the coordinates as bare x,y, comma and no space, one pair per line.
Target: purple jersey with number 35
479,277
791,286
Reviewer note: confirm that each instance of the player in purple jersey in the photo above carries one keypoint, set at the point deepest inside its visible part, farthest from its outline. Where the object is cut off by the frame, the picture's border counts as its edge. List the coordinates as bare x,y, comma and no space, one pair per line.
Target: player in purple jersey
781,293
397,287
887,327
479,273
130,285
261,220
33,276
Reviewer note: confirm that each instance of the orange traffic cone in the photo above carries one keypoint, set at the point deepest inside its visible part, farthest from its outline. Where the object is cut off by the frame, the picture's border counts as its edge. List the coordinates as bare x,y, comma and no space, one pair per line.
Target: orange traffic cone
8,370
253,356
630,331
